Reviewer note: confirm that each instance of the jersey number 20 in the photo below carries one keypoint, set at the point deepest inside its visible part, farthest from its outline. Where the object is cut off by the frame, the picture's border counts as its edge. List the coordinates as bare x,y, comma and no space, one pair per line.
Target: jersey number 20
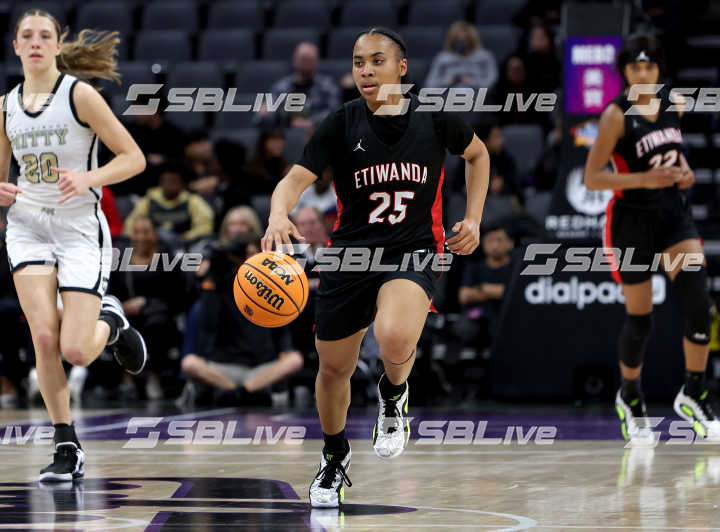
32,165
400,208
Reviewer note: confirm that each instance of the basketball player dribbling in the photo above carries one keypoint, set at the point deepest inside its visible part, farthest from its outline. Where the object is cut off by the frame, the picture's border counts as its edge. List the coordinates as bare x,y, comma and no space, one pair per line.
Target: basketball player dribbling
57,236
388,174
649,214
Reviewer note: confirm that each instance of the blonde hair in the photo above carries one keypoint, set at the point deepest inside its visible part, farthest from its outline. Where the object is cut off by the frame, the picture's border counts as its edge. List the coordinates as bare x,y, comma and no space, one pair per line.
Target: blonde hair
462,26
92,55
251,218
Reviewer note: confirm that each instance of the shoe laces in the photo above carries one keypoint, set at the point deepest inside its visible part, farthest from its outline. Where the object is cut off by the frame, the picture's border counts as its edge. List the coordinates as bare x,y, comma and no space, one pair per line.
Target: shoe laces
65,453
330,472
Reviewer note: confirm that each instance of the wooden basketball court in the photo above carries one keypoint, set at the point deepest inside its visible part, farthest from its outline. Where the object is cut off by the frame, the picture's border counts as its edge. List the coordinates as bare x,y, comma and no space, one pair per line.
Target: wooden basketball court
584,480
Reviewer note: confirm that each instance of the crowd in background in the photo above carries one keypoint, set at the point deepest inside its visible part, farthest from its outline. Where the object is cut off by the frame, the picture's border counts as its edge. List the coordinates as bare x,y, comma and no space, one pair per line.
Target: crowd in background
205,194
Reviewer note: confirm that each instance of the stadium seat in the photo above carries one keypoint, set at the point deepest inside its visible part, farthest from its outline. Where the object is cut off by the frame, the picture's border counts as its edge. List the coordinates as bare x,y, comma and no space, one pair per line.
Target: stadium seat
246,136
501,40
258,76
335,68
232,15
186,120
170,16
280,43
538,205
131,72
237,119
341,41
56,9
112,16
227,47
195,74
418,69
364,13
162,46
429,13
497,11
525,143
423,42
302,13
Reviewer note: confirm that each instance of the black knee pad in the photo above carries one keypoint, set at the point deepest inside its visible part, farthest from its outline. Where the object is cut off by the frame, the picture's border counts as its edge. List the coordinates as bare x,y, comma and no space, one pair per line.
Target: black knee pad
698,306
634,338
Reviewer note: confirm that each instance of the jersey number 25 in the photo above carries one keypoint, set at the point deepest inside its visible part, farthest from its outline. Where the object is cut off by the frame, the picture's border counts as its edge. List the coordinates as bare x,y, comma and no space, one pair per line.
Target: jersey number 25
376,216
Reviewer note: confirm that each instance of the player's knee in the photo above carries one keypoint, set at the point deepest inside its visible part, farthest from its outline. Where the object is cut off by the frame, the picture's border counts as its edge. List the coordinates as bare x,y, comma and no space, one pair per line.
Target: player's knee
75,355
46,343
190,364
395,346
334,371
696,300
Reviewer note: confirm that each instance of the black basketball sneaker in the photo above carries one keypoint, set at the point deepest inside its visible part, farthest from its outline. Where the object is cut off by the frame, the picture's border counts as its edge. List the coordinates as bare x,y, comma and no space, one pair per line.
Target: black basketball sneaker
67,464
634,423
127,345
699,412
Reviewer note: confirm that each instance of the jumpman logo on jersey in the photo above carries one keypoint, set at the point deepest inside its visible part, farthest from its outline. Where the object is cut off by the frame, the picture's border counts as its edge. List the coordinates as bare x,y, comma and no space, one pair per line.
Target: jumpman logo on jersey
359,146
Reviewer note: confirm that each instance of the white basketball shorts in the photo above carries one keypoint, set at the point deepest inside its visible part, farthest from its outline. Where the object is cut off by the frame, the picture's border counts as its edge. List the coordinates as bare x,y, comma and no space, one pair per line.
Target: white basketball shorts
76,241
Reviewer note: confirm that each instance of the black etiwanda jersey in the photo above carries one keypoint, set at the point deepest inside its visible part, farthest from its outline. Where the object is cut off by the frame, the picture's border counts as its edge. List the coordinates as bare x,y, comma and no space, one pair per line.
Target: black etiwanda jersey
387,174
647,145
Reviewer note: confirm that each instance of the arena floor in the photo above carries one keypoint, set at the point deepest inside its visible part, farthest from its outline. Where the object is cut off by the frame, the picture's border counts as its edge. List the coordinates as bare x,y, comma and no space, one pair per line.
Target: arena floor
584,480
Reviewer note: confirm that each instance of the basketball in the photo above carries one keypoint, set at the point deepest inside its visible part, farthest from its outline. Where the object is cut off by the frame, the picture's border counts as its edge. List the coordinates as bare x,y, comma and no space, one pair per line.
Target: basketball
271,289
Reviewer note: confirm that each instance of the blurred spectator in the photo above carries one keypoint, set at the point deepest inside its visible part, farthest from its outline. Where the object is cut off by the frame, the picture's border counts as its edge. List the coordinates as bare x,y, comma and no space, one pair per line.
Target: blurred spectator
159,141
311,224
181,214
483,287
543,63
463,62
321,91
513,84
239,222
320,196
114,219
268,165
235,358
199,152
503,171
152,297
548,166
540,12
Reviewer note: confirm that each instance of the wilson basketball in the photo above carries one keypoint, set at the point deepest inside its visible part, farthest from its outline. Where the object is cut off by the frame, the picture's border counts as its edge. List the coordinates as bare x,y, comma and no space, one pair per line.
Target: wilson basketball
271,289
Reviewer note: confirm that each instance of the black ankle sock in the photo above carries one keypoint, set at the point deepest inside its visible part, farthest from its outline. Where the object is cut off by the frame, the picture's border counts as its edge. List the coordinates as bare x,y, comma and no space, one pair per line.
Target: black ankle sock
694,383
66,433
113,321
631,389
336,445
388,389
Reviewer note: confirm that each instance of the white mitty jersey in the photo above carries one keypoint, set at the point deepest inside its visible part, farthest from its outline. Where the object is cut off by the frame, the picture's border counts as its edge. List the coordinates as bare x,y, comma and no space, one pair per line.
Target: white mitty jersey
54,136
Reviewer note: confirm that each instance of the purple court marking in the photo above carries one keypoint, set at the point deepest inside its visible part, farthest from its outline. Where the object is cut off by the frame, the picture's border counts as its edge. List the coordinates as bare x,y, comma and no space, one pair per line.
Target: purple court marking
183,490
158,521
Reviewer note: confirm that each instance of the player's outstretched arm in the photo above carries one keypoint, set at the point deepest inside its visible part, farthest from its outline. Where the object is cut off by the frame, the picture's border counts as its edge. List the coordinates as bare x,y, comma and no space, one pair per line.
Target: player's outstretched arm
129,160
477,179
284,199
7,190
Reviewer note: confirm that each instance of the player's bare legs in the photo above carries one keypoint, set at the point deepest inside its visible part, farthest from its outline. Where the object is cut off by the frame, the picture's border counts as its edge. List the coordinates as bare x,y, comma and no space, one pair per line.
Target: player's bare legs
82,335
338,359
36,287
402,307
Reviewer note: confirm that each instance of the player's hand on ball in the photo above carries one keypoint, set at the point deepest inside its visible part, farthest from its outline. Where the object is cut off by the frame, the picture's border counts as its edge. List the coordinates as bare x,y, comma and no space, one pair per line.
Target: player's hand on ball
8,191
71,183
466,239
278,232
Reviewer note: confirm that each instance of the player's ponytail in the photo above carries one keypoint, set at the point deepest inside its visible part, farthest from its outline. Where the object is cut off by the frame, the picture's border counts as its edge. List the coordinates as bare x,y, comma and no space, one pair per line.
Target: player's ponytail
92,55
395,37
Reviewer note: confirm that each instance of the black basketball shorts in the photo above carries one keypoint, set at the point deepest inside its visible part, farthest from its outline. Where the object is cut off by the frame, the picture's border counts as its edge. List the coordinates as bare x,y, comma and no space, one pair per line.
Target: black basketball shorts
647,232
346,300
